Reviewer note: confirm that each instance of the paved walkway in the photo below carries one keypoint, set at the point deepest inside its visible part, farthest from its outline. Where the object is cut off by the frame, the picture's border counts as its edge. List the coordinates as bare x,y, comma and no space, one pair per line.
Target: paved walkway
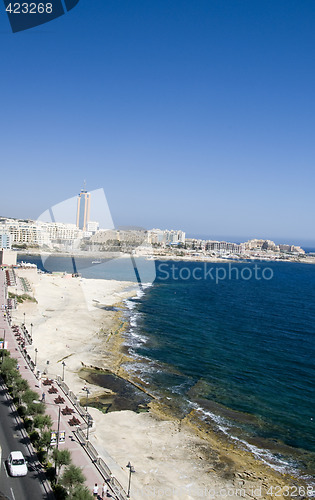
78,453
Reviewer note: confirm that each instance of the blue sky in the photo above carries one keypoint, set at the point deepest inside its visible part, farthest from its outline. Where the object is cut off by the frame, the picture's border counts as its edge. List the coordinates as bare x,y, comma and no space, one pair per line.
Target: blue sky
191,115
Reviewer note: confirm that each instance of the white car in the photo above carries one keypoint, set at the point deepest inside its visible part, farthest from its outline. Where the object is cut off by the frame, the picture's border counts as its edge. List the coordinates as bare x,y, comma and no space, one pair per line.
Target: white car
17,464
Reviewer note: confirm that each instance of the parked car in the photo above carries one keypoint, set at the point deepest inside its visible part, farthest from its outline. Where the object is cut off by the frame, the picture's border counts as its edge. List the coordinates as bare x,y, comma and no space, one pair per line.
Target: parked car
17,464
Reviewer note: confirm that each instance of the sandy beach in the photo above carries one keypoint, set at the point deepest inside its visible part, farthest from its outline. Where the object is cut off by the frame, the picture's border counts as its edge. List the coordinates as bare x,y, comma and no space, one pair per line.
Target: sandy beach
81,322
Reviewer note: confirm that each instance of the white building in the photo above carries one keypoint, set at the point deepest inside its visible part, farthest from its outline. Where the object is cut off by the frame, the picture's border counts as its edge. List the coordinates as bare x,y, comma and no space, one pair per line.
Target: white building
59,231
39,233
5,239
25,231
166,237
224,247
92,227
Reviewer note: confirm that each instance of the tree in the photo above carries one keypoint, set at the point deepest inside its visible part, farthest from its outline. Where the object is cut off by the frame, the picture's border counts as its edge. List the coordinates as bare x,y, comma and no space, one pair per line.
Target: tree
20,386
29,396
72,477
36,408
45,440
61,457
43,422
8,368
60,492
80,493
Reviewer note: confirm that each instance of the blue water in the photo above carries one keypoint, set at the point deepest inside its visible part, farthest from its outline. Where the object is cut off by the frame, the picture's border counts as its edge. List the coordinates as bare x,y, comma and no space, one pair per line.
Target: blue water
252,343
240,348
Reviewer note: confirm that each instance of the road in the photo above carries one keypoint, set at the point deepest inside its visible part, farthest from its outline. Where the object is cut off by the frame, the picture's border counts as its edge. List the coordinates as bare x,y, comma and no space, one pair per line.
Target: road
12,438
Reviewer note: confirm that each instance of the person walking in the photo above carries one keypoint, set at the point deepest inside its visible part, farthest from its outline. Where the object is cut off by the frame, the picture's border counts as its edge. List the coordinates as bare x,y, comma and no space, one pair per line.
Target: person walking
95,490
104,491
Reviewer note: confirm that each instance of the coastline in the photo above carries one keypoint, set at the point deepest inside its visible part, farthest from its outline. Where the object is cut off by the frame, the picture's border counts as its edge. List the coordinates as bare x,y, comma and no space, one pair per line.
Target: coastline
70,324
171,257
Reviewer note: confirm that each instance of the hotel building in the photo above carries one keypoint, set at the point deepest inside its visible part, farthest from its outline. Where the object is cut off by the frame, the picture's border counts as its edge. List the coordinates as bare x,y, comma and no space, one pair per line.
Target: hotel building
83,209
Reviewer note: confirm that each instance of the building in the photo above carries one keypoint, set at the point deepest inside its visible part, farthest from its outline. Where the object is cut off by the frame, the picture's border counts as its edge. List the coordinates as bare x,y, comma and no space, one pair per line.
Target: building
259,244
92,227
195,244
60,232
174,237
5,239
156,236
224,247
298,249
35,233
83,209
25,232
270,245
165,237
291,249
7,258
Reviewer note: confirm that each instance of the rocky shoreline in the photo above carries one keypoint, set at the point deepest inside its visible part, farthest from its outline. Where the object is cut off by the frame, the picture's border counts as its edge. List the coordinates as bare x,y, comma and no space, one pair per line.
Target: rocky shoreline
171,454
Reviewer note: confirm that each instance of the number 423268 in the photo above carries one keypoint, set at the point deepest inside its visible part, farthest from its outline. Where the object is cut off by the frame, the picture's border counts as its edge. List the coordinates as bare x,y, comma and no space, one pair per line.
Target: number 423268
29,8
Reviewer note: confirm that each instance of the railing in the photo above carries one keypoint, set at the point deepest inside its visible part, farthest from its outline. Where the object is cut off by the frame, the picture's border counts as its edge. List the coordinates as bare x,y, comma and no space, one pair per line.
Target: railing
27,335
118,489
103,468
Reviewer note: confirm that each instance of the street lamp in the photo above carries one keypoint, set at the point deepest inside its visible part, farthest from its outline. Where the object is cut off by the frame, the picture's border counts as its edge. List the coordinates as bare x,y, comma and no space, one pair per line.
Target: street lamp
58,427
131,470
58,430
32,330
36,401
89,420
63,371
47,363
36,351
87,396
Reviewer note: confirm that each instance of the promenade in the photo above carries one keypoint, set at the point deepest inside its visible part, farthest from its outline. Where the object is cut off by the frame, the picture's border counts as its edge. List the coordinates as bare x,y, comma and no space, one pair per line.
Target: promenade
62,406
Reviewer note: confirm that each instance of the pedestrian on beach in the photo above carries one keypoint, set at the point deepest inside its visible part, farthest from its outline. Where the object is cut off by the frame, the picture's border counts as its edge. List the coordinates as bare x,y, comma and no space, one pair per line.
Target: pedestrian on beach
95,490
104,491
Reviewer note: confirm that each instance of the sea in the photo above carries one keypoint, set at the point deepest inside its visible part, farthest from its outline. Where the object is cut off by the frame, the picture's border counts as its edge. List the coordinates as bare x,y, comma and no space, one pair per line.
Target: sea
232,342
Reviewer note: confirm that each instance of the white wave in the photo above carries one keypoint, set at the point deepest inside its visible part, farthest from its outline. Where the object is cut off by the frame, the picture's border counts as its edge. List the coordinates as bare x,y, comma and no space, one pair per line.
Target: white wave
133,319
135,337
221,422
130,304
141,293
264,455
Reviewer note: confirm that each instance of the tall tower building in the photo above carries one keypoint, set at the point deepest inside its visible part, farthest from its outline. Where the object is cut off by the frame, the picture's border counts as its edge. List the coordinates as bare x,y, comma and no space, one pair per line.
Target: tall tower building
83,209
